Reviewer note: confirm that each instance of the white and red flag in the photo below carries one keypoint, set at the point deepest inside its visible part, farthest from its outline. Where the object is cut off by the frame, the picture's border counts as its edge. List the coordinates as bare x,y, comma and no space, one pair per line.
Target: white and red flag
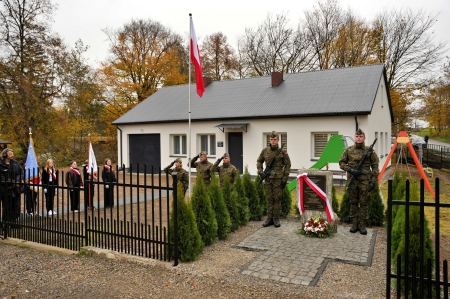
195,59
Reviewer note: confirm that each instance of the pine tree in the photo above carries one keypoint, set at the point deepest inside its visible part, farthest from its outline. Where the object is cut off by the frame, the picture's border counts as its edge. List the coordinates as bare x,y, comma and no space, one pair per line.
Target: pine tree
242,200
231,203
286,202
190,243
262,196
204,214
220,209
252,194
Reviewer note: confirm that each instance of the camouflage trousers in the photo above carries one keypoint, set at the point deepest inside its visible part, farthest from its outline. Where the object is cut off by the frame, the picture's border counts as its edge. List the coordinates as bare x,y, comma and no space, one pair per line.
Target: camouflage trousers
274,195
358,196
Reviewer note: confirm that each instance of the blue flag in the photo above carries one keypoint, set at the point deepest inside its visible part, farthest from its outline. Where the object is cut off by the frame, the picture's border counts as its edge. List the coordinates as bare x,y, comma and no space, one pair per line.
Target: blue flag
31,167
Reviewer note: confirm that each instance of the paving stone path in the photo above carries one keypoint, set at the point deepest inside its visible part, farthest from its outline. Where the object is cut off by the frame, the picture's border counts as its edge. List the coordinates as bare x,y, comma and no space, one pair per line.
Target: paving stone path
290,257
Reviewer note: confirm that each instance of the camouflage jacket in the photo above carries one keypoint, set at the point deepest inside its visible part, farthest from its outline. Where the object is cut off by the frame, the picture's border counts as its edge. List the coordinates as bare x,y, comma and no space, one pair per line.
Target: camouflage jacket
204,168
281,166
225,170
351,157
182,176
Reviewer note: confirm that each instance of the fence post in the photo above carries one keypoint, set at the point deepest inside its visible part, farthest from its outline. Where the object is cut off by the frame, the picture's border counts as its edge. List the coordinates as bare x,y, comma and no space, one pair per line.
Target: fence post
175,218
389,234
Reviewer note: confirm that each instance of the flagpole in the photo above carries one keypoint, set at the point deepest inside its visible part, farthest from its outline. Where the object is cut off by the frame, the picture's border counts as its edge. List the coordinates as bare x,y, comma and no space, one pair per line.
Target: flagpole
189,98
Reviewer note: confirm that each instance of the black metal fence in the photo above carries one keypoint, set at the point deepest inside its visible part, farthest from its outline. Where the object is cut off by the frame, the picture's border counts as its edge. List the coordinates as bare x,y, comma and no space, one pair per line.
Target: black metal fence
135,222
416,281
432,155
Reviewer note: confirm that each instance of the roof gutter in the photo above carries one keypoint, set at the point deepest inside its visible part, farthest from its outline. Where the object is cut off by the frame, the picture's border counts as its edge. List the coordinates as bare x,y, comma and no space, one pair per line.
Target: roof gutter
121,151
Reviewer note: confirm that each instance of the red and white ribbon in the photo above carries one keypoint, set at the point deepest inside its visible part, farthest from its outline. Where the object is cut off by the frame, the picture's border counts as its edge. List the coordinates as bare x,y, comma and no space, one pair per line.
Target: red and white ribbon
303,178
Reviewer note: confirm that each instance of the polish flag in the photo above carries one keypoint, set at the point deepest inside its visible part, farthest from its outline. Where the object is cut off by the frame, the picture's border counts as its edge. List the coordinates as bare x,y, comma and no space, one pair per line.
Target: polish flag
195,59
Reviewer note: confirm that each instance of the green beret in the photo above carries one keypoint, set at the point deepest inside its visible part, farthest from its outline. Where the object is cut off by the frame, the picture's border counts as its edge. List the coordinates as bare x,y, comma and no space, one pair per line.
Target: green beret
359,132
179,160
273,134
226,155
203,153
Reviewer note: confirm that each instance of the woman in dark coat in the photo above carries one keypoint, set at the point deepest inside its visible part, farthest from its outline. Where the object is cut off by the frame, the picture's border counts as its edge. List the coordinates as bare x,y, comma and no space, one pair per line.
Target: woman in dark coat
74,182
49,182
108,177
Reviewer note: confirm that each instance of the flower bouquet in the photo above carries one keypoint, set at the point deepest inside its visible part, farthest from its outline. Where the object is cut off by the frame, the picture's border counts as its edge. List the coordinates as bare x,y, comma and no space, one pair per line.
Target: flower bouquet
316,227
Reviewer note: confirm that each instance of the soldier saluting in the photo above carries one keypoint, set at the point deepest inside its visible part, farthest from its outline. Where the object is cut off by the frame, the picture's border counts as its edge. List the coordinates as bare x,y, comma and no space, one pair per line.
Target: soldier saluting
364,180
275,183
203,167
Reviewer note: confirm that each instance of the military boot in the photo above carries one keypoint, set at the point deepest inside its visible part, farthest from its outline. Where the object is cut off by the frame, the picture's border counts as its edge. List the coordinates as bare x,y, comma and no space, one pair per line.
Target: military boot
268,222
276,222
362,229
354,228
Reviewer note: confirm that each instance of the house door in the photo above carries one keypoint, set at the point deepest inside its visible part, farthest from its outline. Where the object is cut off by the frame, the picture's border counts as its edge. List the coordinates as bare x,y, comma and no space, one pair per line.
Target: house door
145,149
235,149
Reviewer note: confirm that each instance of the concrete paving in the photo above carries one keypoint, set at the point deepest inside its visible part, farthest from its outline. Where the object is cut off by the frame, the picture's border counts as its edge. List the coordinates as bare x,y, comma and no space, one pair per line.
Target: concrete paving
290,257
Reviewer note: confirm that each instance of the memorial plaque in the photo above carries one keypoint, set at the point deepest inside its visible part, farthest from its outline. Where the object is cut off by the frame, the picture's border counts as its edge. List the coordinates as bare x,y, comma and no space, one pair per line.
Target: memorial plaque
311,200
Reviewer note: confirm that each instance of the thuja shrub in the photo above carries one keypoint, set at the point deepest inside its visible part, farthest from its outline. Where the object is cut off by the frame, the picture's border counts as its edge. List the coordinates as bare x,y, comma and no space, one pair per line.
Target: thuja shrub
414,245
286,202
334,203
252,194
204,214
230,202
375,207
344,209
262,196
220,209
242,200
190,244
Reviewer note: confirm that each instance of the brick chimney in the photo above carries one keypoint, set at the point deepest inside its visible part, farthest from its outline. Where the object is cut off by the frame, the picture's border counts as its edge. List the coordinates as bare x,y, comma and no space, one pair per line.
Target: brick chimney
207,81
277,79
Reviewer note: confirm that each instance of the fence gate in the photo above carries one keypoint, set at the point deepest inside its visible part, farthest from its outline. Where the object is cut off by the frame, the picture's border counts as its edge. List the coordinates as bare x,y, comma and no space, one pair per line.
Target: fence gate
413,273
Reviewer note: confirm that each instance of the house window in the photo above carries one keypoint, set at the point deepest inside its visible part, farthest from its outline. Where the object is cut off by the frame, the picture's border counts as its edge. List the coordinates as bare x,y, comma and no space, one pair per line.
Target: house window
179,145
320,140
282,138
208,144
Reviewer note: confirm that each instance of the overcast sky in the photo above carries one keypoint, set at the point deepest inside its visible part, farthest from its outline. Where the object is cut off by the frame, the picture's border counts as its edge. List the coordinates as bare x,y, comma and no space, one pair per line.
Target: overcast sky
85,19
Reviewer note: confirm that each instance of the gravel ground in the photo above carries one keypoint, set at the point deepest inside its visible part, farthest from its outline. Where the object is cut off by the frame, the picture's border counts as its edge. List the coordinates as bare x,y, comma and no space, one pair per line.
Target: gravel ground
42,273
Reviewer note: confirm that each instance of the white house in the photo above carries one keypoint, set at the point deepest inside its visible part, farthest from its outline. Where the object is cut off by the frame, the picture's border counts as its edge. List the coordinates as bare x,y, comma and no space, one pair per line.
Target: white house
236,116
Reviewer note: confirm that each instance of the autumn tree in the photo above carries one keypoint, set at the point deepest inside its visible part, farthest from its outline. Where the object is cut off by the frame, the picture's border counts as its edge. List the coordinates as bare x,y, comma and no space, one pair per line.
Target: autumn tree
219,60
274,46
30,71
352,46
144,56
322,25
82,101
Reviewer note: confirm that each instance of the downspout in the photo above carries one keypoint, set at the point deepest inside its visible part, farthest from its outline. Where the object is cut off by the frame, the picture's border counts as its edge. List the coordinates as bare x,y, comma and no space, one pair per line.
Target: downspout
356,122
121,151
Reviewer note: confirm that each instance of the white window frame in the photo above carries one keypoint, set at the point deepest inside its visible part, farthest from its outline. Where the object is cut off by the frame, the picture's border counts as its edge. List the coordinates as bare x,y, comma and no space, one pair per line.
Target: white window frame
207,142
182,139
318,148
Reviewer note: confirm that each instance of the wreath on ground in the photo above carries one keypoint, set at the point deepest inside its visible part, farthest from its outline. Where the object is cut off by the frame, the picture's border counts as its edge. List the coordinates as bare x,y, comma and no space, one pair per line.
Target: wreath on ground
316,227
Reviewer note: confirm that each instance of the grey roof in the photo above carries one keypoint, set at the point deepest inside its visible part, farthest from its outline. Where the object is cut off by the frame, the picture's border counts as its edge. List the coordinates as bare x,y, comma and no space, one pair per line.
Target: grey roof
340,91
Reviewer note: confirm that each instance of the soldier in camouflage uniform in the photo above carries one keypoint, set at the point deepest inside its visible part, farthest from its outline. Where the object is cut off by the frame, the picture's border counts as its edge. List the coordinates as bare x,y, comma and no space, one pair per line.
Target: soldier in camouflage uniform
203,167
227,169
182,175
359,192
274,185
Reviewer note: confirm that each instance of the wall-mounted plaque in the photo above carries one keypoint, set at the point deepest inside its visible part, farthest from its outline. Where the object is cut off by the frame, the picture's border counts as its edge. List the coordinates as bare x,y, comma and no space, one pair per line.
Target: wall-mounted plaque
219,143
311,200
